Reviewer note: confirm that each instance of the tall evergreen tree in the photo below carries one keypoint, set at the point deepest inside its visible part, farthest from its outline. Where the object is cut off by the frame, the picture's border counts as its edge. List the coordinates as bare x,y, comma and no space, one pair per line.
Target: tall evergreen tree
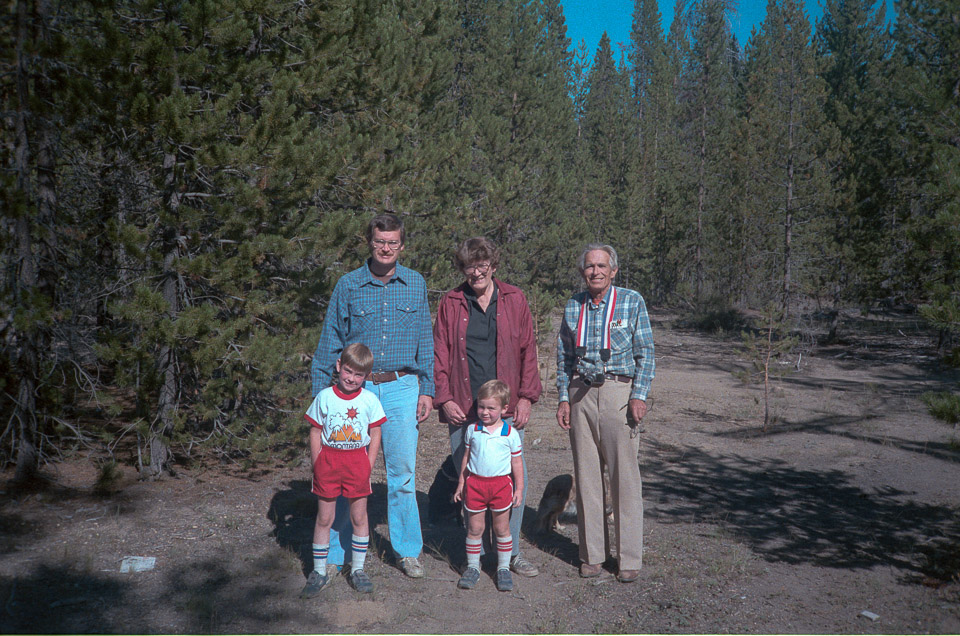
785,102
512,85
608,138
927,89
707,120
34,80
854,45
650,103
260,138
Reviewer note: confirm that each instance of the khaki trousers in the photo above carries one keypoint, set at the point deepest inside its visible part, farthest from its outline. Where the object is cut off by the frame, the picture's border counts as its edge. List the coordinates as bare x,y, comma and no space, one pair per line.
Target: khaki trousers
600,438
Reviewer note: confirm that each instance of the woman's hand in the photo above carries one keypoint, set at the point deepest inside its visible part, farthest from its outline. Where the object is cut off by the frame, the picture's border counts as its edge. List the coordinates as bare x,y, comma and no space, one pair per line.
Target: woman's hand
522,415
453,413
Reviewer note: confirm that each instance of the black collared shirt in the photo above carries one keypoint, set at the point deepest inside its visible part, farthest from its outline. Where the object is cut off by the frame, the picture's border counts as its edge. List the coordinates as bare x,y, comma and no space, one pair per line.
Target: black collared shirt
481,341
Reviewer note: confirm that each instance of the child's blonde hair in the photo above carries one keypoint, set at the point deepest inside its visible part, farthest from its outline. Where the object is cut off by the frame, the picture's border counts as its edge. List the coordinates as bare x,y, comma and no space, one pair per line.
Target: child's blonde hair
495,389
358,357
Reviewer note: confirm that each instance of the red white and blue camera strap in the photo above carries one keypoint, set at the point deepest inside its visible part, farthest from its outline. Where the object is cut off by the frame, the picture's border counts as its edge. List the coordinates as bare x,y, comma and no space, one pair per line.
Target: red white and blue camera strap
581,348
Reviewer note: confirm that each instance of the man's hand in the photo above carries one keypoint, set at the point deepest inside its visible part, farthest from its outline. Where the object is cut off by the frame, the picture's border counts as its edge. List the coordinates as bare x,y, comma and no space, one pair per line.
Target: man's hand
638,408
424,406
563,415
522,416
453,412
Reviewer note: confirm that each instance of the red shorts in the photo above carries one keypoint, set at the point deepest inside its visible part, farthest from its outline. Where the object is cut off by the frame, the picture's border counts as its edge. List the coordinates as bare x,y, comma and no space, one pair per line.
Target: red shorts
342,472
481,493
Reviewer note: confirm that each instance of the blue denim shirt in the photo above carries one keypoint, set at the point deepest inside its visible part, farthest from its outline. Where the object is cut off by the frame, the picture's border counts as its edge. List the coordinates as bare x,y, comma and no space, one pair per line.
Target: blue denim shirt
392,319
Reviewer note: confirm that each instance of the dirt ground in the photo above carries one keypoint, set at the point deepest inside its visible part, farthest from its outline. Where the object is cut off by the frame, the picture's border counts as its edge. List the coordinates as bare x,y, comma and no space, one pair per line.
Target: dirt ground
847,504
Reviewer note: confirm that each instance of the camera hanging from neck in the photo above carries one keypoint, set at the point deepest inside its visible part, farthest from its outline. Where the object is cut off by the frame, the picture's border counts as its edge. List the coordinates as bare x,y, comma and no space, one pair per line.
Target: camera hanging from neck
581,349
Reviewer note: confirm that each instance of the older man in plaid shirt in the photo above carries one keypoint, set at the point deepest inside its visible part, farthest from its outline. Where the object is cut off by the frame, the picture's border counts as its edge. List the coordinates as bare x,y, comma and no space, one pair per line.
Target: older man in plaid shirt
604,368
384,305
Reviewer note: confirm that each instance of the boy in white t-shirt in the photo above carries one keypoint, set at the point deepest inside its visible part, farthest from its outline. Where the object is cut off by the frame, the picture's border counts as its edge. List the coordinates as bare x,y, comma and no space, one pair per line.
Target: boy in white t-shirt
344,443
493,452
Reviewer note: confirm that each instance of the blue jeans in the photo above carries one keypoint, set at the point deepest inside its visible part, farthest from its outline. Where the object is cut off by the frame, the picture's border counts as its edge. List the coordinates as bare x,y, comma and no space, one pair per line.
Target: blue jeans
399,435
516,515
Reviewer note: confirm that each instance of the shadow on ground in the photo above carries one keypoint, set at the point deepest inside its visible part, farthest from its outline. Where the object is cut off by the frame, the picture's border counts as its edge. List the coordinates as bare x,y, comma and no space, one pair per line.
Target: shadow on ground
293,511
796,516
205,595
839,425
62,600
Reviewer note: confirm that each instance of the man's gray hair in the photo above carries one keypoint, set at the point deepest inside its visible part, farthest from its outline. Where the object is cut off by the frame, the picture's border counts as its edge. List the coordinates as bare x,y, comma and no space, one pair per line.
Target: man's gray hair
593,247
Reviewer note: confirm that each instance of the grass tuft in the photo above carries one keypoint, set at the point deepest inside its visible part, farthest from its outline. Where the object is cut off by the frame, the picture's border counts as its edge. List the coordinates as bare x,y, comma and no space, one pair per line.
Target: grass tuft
943,405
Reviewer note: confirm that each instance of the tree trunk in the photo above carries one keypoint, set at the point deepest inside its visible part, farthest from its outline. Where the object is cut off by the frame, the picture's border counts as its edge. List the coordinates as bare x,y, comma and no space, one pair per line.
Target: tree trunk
163,425
766,376
24,408
701,200
788,212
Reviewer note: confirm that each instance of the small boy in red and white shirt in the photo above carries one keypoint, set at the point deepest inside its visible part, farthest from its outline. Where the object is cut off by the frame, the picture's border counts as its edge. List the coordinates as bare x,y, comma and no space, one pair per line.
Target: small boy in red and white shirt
493,453
344,443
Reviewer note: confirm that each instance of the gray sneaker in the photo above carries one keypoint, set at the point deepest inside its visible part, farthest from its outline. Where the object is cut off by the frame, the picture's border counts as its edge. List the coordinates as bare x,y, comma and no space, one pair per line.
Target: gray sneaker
411,567
315,583
361,582
469,579
504,580
523,567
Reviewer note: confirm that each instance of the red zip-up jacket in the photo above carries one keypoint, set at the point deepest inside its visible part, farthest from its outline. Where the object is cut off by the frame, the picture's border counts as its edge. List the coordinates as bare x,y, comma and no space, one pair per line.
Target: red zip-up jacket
517,363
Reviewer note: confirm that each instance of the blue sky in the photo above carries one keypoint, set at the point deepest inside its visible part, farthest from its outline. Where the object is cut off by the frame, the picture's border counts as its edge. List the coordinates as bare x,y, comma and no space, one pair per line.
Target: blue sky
588,19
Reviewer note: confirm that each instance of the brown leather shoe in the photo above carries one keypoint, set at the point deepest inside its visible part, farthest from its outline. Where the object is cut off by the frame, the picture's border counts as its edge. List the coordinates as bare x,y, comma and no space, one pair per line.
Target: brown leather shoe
628,576
588,571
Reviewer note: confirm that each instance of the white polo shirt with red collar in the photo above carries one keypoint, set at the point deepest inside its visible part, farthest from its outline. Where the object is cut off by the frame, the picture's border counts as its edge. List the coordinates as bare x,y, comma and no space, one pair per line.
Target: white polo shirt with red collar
492,448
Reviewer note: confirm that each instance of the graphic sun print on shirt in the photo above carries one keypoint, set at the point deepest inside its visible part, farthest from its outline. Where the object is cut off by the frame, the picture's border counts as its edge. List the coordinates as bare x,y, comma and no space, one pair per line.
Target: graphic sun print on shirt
341,426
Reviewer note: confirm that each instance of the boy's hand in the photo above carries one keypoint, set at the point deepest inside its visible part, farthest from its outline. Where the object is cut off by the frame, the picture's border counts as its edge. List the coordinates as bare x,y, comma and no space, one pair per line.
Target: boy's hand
458,493
518,497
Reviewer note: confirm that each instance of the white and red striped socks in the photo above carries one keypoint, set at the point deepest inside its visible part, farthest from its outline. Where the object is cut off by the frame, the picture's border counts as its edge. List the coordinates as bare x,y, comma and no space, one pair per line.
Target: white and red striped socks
504,548
473,553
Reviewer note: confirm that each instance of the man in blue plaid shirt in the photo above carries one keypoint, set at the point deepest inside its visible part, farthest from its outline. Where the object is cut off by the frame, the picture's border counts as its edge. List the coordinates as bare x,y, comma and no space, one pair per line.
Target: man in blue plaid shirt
384,306
604,369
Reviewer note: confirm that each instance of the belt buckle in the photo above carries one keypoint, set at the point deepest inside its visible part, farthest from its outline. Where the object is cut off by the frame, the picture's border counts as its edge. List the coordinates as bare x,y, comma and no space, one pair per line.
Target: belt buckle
396,376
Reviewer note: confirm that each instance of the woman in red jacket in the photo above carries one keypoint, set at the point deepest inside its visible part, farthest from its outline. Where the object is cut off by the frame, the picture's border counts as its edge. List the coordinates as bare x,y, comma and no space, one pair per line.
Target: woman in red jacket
484,331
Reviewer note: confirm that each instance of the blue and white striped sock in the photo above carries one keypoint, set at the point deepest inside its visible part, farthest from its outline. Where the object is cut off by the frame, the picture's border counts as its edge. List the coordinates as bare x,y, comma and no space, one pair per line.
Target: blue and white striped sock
320,557
358,546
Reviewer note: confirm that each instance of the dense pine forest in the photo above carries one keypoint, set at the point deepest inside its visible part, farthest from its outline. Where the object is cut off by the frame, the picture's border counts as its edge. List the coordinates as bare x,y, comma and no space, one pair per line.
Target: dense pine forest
184,181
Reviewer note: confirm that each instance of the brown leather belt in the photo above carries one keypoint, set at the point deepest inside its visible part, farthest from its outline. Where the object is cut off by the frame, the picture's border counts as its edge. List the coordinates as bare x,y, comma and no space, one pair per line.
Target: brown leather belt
389,376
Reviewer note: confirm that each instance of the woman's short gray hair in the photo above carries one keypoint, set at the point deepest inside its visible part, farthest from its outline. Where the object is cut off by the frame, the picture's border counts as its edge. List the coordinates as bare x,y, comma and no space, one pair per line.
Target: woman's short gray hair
593,247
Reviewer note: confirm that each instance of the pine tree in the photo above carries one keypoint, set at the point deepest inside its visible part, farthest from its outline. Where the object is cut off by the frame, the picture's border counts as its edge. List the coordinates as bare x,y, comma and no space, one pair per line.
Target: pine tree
248,135
707,121
650,108
854,45
512,82
785,102
34,80
608,139
927,88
